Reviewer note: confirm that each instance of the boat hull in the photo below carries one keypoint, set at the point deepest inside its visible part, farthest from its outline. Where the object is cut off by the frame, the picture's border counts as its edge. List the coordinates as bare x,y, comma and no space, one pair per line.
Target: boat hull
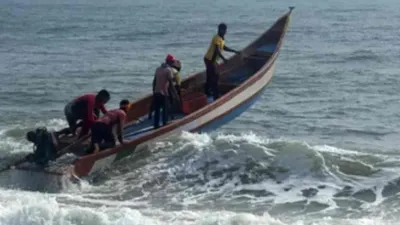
249,78
217,117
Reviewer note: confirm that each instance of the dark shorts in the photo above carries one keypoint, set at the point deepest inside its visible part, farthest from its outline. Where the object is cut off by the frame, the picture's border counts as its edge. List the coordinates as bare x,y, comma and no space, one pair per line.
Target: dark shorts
102,132
69,115
212,79
161,103
211,70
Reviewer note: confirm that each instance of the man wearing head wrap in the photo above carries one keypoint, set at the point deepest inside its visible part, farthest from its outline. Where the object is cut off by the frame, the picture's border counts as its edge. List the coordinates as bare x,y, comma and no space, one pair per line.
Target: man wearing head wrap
163,79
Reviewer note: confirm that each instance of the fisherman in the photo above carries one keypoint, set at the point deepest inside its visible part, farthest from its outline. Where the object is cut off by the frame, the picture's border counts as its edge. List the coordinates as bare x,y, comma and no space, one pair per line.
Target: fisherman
163,79
102,129
211,57
176,83
175,103
45,145
176,68
85,108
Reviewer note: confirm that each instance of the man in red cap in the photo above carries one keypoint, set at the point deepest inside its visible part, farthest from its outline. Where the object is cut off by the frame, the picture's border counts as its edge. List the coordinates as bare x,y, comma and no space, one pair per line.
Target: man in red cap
163,79
170,59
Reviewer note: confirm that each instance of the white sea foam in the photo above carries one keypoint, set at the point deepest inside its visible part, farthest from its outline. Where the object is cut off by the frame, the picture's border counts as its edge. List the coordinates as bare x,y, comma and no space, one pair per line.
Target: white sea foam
25,208
12,139
199,155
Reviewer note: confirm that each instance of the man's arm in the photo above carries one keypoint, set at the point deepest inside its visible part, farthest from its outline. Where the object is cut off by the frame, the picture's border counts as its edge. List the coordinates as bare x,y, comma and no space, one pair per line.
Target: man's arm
154,83
220,54
120,133
171,83
103,109
226,48
121,125
178,79
85,128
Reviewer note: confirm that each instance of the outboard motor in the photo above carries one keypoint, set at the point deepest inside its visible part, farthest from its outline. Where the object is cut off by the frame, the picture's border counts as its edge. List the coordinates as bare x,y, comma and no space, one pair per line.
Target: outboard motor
44,148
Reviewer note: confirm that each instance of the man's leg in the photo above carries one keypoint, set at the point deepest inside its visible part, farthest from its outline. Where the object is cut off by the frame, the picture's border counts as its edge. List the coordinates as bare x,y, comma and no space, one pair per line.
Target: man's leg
165,106
208,76
151,107
109,139
215,87
96,138
157,110
171,102
178,91
71,120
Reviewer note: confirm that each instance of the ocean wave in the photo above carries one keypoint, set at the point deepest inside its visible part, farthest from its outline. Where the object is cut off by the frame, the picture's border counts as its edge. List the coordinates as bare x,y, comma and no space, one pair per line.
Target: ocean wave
362,55
12,139
138,35
219,170
29,208
194,170
59,29
20,208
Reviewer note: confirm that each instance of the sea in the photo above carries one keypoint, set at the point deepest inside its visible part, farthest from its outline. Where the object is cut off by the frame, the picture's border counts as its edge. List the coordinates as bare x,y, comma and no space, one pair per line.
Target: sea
320,147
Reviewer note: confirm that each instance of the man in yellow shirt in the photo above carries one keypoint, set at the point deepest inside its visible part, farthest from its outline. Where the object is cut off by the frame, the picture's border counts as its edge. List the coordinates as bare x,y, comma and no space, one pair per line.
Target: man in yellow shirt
176,67
175,102
213,53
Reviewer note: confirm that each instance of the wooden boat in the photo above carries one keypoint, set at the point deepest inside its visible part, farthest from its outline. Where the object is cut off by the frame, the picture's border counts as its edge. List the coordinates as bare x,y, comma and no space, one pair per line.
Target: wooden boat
243,79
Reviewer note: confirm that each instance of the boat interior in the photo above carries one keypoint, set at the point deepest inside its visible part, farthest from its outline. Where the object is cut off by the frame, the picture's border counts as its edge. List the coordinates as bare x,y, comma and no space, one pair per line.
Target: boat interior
231,79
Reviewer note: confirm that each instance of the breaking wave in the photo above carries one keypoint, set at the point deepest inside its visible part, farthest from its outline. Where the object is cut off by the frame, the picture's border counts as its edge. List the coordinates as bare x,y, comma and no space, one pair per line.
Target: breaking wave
198,171
208,178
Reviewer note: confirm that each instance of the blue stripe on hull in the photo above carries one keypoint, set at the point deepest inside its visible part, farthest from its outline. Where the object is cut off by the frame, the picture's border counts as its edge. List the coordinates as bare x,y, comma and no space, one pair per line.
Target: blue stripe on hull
230,116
